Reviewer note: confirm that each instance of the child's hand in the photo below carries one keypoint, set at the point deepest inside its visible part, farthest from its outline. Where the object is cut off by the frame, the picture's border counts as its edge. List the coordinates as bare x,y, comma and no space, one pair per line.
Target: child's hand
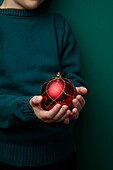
56,114
78,102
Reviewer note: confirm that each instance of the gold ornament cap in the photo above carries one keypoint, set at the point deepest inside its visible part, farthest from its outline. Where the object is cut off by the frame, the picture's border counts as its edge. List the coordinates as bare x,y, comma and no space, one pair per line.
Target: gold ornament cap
58,76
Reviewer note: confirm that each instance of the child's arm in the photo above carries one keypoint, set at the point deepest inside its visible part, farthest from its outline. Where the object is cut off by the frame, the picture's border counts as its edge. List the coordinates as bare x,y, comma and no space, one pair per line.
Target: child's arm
70,61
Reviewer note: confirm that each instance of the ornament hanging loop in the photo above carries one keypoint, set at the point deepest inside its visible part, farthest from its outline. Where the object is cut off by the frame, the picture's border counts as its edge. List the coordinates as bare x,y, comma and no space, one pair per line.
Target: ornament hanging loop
58,76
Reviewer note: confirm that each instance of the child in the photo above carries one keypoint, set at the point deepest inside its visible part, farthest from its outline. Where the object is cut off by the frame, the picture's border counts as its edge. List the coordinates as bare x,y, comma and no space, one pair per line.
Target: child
34,46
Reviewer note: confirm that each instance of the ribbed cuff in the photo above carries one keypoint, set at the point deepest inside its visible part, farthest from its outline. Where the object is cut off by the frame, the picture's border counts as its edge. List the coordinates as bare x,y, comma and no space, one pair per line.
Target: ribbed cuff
28,111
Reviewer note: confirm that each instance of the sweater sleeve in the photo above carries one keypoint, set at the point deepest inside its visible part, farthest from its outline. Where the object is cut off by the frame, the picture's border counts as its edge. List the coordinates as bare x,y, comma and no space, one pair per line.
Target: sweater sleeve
70,61
15,111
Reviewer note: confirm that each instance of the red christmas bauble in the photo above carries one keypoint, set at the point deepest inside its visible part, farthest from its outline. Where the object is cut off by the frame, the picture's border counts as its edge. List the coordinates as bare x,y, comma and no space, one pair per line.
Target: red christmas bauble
58,90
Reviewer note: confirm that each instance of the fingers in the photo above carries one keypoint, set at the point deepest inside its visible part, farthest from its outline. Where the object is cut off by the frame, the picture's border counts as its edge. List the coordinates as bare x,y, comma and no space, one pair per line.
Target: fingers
65,116
79,102
35,103
55,110
81,90
47,116
36,100
75,113
66,121
61,113
57,114
53,115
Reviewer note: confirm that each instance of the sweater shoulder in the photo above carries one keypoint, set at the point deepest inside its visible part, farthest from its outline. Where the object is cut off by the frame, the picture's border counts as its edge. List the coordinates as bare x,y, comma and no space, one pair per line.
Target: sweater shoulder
61,24
60,19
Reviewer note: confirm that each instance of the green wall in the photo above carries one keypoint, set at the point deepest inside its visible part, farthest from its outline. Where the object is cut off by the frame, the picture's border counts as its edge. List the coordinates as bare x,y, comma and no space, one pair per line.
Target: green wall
92,23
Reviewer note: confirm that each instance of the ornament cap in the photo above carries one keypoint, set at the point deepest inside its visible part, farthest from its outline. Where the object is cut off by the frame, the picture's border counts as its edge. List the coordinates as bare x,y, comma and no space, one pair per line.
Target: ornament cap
58,76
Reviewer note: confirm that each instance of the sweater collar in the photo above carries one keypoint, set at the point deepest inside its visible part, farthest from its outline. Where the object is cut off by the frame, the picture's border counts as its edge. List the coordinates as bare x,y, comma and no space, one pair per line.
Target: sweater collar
23,12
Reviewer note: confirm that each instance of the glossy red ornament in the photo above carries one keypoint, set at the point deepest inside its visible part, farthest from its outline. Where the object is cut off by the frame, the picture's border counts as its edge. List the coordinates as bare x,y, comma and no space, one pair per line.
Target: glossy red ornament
58,90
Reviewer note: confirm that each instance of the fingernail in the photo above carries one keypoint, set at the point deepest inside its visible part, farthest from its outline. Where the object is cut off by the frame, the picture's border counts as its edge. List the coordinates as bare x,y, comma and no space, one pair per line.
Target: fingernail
66,121
68,113
39,98
65,107
85,88
57,105
75,100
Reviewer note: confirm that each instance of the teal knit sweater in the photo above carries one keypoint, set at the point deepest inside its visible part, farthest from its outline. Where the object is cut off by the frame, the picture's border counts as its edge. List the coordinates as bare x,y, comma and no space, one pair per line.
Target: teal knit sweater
34,46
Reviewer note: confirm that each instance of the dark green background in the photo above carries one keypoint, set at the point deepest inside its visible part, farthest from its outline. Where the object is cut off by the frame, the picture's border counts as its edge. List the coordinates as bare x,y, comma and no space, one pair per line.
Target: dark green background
92,23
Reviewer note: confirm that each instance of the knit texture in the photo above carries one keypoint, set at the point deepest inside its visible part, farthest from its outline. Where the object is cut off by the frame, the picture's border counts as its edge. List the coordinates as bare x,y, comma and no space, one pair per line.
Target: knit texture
34,46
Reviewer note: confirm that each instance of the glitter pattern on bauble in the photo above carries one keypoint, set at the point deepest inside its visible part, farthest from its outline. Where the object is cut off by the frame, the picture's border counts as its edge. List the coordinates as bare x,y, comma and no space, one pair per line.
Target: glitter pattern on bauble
57,90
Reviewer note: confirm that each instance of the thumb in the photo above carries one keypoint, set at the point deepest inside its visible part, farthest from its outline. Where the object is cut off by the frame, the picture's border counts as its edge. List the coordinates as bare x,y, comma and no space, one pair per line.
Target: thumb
81,90
36,100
